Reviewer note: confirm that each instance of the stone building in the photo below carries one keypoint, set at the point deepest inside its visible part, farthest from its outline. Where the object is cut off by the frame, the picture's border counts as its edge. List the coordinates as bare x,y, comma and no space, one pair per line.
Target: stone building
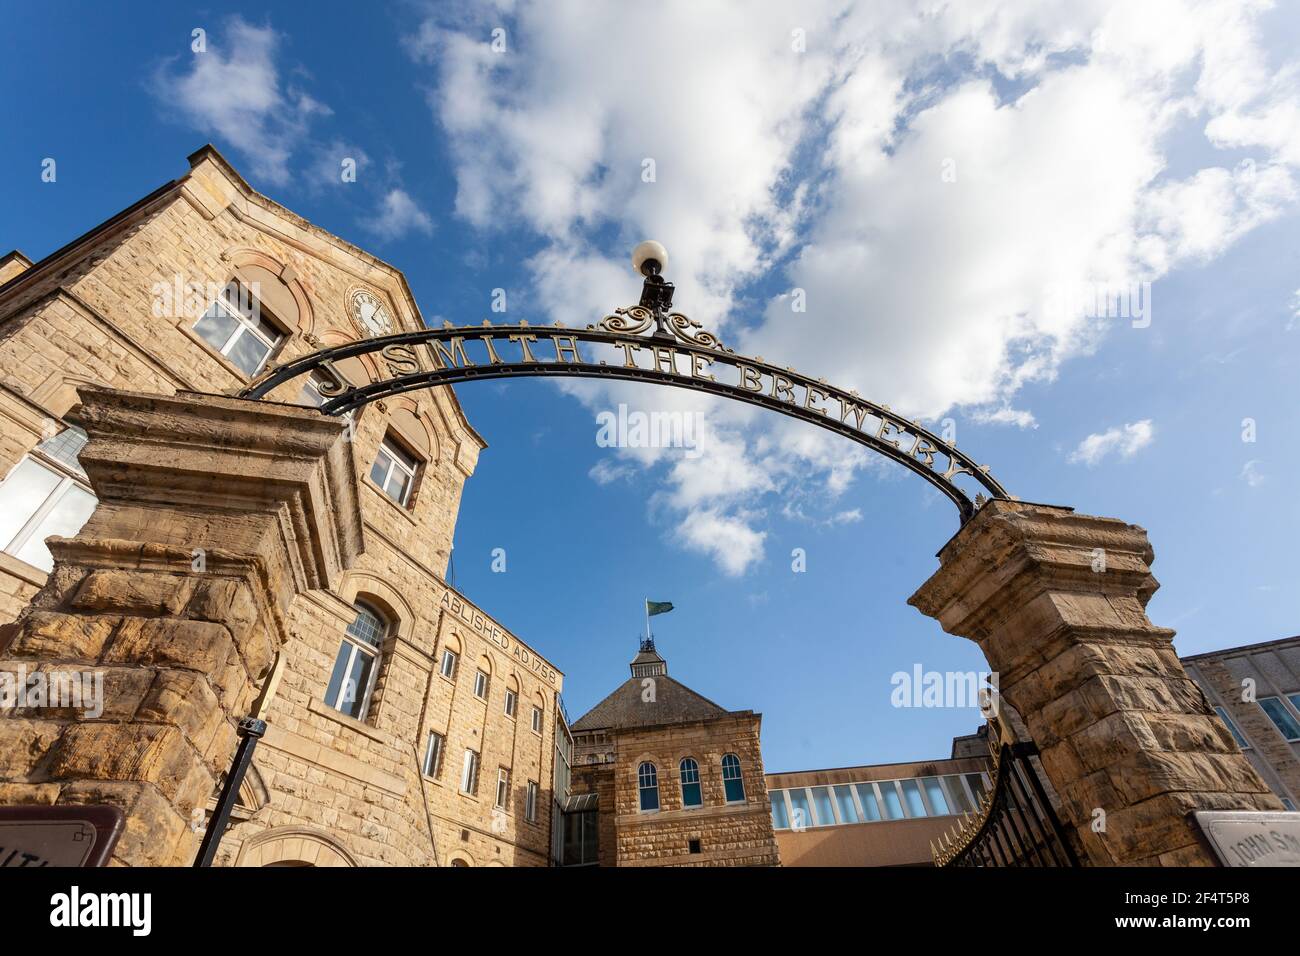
406,725
1255,690
663,776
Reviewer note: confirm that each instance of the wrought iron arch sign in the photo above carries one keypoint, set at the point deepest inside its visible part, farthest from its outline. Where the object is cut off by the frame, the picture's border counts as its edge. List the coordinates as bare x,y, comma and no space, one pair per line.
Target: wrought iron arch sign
657,345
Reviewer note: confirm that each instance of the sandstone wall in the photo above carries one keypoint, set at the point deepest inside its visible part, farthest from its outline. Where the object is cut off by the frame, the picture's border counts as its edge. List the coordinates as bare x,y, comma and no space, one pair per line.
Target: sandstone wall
324,785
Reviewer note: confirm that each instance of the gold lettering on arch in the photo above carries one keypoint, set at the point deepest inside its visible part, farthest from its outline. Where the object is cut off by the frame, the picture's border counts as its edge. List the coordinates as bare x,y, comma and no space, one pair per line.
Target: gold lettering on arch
446,358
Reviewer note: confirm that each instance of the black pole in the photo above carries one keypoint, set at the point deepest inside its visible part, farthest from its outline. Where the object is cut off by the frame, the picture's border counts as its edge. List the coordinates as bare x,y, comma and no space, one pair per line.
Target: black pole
250,731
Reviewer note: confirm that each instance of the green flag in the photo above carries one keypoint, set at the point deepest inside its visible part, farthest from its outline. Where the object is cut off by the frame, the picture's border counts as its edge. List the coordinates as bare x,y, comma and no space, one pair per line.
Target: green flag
657,607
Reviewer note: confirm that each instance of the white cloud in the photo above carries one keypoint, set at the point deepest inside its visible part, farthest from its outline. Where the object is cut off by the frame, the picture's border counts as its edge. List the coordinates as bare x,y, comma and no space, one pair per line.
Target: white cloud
1251,474
1125,441
233,90
607,471
1003,416
825,169
398,216
729,540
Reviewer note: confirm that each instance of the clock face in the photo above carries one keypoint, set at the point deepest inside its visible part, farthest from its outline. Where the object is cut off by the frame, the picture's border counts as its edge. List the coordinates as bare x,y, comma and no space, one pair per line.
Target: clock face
370,314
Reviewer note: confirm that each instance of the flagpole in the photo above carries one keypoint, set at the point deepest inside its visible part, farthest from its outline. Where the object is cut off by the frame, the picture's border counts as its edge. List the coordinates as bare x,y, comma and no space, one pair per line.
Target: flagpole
647,619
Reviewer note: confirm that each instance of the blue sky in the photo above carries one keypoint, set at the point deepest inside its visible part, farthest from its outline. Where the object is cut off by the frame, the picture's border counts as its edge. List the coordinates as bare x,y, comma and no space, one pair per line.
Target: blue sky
940,187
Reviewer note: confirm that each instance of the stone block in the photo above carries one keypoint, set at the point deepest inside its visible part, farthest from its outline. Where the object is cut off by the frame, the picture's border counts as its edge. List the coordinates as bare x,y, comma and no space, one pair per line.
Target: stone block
145,753
170,642
24,744
185,700
53,635
133,592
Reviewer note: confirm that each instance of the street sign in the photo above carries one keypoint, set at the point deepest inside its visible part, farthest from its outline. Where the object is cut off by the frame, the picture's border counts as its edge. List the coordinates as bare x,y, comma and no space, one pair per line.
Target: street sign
39,836
1252,837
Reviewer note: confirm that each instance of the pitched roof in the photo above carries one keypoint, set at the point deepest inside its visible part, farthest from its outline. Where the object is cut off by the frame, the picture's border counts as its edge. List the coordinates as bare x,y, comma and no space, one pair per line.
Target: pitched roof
673,703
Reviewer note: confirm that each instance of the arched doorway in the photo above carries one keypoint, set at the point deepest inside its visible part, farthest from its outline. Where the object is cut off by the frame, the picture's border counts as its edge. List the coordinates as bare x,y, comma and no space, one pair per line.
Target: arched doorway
294,846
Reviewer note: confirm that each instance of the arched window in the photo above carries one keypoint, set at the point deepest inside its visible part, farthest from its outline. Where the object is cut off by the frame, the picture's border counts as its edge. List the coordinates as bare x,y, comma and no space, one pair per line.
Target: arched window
731,782
691,783
647,782
357,663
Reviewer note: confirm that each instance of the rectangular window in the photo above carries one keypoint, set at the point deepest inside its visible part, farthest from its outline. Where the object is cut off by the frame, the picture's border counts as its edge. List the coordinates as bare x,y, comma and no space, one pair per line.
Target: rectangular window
433,755
822,804
320,388
912,795
934,794
45,495
449,664
1281,717
581,839
349,688
800,811
480,685
1232,728
469,772
844,803
512,701
394,472
503,788
235,327
867,797
530,802
889,796
780,813
537,720
957,799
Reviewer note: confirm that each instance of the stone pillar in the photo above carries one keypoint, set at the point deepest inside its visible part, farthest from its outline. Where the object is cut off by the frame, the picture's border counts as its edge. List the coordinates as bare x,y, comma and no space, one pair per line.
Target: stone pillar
214,513
1057,601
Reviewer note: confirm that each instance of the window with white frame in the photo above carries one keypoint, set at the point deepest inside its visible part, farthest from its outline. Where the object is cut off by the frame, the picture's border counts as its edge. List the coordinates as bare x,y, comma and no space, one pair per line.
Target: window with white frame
512,702
530,802
433,755
469,772
318,389
1281,717
448,669
780,812
731,779
647,783
356,664
503,788
1228,722
537,719
235,326
394,471
690,774
481,685
45,494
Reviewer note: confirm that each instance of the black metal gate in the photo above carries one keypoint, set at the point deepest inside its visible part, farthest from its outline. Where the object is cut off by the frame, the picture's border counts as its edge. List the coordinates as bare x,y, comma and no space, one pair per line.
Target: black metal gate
1014,824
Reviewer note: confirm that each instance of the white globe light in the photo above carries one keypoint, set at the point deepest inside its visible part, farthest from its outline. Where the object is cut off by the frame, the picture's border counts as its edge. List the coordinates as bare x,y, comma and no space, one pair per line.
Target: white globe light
645,251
